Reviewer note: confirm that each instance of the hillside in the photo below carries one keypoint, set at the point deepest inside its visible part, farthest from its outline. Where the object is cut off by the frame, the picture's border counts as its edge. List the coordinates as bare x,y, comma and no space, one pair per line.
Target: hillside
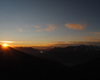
73,55
28,50
89,70
16,65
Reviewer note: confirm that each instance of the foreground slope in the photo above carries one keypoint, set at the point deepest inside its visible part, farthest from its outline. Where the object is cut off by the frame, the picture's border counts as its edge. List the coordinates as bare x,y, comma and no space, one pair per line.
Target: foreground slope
16,65
88,71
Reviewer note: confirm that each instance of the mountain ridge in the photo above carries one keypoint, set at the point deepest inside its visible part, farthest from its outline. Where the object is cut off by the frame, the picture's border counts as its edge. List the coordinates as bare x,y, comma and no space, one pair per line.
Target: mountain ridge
16,65
74,54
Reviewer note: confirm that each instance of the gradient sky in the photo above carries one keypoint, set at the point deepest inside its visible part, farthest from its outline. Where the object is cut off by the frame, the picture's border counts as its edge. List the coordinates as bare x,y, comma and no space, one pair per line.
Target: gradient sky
49,22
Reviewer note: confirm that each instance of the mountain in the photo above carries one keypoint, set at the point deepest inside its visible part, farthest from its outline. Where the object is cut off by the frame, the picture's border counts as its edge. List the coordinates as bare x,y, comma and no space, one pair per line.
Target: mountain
28,50
34,52
15,65
73,55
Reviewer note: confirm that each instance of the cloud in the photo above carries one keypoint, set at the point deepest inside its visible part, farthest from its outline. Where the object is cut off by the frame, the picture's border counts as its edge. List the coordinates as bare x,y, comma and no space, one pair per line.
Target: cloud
36,26
70,43
75,26
14,41
94,38
20,30
58,42
89,38
96,32
6,41
50,27
74,43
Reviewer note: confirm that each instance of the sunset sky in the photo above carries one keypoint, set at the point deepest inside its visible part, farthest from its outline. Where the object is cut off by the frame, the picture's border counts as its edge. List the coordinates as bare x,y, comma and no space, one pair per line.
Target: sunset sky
49,22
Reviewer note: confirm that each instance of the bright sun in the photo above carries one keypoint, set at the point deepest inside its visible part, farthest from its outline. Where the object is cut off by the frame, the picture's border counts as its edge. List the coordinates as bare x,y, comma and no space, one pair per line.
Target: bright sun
5,45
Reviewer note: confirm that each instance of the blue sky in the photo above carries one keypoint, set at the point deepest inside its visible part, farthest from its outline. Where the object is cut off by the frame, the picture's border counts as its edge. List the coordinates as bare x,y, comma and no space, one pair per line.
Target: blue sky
49,22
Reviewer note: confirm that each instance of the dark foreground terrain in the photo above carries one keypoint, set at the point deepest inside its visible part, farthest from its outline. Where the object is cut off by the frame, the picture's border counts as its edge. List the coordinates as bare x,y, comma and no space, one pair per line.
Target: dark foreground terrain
15,65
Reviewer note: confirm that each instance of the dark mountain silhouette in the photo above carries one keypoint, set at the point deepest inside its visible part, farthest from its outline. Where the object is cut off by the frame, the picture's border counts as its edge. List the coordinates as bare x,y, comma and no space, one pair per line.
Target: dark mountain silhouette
34,52
74,54
15,65
28,50
89,70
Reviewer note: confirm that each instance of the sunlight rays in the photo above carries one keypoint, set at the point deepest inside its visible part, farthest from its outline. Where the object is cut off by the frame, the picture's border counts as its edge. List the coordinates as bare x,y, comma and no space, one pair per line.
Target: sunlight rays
5,45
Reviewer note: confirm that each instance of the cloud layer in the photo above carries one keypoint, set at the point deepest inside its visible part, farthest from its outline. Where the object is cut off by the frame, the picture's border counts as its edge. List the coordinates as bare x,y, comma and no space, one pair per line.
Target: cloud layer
96,33
20,30
75,26
49,28
36,26
93,38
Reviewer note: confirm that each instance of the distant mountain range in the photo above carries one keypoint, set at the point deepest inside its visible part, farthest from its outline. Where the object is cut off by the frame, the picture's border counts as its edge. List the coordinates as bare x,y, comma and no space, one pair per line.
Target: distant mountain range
34,52
15,65
71,55
74,54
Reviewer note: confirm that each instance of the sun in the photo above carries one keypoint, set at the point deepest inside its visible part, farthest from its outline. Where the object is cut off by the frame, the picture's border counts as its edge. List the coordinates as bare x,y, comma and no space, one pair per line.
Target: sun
5,45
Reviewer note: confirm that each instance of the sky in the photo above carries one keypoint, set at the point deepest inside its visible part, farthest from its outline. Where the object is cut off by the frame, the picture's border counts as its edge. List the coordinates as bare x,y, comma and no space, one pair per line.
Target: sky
49,22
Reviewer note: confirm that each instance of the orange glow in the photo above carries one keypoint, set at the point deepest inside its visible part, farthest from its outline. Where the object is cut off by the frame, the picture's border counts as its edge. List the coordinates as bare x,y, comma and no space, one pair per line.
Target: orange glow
5,45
